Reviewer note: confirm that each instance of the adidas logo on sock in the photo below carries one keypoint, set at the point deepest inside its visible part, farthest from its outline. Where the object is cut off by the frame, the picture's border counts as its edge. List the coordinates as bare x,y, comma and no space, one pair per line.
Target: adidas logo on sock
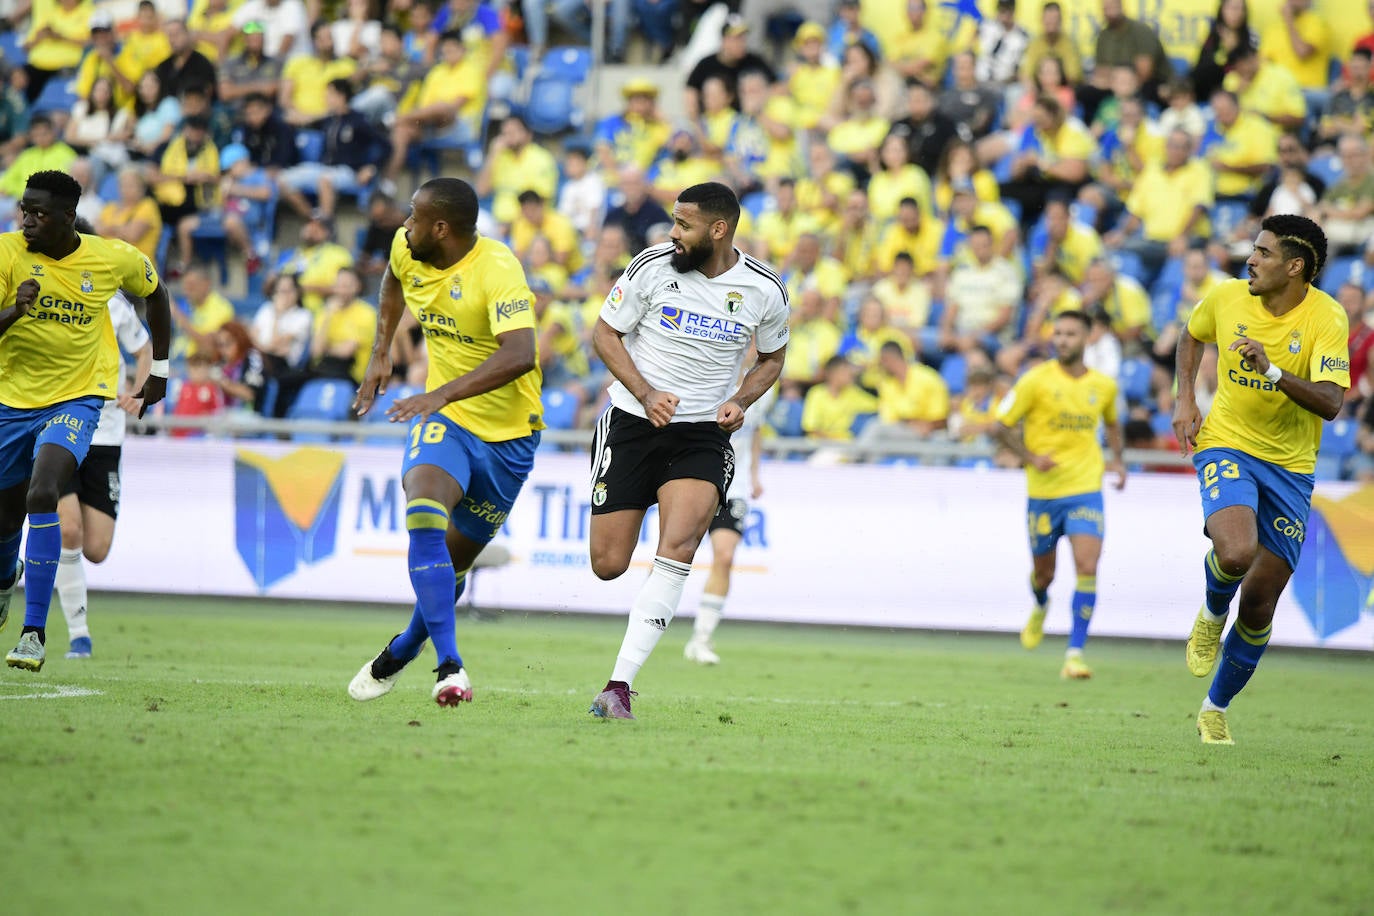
656,622
672,286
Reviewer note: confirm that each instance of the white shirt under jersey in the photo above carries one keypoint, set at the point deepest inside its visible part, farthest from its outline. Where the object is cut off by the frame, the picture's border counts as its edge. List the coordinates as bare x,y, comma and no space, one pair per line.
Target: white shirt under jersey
742,441
688,333
132,335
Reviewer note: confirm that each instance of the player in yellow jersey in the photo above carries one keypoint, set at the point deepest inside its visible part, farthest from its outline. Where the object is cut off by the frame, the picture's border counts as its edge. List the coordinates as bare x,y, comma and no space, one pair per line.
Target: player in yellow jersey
59,363
1284,366
474,430
1061,403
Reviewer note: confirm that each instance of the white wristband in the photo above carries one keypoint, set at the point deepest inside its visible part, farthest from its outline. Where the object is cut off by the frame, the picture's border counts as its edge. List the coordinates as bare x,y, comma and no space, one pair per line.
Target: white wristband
1273,373
160,368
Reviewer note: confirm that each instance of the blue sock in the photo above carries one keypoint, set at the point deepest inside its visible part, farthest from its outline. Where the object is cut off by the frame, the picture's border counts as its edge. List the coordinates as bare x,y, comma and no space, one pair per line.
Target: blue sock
1084,597
408,643
431,574
9,557
1042,595
460,586
1221,587
40,566
1239,655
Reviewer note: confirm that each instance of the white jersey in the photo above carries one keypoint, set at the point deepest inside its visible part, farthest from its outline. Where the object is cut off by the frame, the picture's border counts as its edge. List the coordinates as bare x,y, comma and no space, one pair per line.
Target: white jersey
742,441
688,333
132,336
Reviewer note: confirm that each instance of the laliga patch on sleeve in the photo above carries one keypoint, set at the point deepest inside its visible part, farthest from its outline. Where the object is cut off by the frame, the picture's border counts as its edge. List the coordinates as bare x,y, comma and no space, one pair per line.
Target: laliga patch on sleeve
615,298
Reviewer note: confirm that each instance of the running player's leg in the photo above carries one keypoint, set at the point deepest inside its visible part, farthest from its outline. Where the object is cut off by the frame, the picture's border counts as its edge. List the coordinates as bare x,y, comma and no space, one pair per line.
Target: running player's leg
431,494
1230,499
1044,525
16,461
70,584
1087,549
725,537
53,464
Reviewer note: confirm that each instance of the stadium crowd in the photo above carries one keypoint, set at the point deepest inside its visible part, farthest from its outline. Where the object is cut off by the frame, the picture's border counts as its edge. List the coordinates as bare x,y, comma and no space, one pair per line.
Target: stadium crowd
932,194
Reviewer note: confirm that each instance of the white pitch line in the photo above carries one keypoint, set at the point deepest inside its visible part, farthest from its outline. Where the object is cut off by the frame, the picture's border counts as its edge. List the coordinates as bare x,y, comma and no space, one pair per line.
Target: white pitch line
55,692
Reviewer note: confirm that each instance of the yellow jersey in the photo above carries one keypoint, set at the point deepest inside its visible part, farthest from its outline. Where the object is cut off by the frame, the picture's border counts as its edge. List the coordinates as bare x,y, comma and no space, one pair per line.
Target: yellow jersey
922,395
65,347
812,87
1277,48
1250,414
72,24
309,76
886,191
827,415
461,311
356,323
1165,201
1250,141
1062,414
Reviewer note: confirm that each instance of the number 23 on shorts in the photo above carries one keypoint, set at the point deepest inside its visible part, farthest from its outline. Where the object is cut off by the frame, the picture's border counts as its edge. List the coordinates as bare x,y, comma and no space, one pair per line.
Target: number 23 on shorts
429,433
1228,469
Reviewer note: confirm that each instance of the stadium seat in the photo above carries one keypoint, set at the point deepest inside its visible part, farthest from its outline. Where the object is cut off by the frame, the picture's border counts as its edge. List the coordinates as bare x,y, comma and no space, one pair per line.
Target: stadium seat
12,48
376,415
1170,277
310,145
1328,168
1163,308
212,244
56,96
1340,271
321,399
519,57
109,187
427,156
1162,423
954,370
1226,216
976,462
1135,380
861,423
1339,442
786,418
1130,264
560,409
568,64
552,108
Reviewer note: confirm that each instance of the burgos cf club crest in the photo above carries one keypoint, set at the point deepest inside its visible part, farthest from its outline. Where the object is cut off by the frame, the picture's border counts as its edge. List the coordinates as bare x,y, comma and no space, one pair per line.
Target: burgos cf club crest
1335,573
733,301
286,510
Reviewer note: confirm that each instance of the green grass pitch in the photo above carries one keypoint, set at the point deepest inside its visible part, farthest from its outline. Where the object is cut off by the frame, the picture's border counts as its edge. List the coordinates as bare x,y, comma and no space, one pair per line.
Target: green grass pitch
216,765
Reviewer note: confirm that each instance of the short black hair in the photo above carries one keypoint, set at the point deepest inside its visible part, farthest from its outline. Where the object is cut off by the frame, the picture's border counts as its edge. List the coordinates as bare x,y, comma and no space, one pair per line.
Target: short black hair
530,196
455,201
974,230
836,362
891,346
343,87
252,97
451,35
1299,237
715,200
60,185
1366,53
904,256
1076,315
41,120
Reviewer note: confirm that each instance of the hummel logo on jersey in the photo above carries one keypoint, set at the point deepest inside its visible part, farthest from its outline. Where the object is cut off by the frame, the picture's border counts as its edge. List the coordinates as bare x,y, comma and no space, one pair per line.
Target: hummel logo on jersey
37,269
672,287
657,623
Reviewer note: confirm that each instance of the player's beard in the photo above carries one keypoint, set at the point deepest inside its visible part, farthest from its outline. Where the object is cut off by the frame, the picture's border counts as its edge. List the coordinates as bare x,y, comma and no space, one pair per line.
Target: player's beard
689,259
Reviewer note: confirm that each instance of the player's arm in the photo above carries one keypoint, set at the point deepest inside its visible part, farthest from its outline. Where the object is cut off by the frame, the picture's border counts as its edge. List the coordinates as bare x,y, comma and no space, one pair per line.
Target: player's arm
390,304
158,307
515,355
756,462
1009,415
1323,398
1116,444
24,299
609,344
1187,417
761,377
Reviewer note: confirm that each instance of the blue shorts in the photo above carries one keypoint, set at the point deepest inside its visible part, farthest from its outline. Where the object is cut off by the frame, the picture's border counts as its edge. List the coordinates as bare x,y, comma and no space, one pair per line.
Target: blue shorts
490,473
70,424
1280,499
1047,520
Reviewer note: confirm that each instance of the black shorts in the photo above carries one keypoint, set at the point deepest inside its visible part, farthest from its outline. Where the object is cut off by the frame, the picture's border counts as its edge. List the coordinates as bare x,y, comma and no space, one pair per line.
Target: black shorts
632,458
96,481
730,516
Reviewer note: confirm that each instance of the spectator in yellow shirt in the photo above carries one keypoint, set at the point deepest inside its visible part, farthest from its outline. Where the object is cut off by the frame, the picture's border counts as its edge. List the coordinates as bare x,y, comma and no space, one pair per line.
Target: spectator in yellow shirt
780,227
147,45
1052,42
1122,298
1053,157
449,104
134,218
830,408
806,268
317,262
813,79
345,330
103,61
304,78
1068,247
58,34
198,314
45,152
921,50
1267,90
913,233
636,135
536,219
1300,43
862,130
814,338
856,236
896,179
905,298
680,167
913,400
1168,205
1244,149
515,163
863,345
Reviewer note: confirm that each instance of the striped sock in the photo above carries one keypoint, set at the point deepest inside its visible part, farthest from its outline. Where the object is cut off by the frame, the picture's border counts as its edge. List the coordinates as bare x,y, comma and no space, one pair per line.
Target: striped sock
42,551
1239,657
1084,598
1221,587
431,574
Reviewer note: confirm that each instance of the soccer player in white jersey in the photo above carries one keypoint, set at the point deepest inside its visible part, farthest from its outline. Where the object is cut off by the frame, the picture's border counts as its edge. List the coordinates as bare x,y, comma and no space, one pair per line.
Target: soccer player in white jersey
727,531
674,332
90,499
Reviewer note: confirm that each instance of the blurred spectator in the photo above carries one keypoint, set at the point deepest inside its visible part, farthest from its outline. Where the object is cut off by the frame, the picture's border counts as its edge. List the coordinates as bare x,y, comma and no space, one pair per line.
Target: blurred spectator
863,345
240,374
359,34
1268,90
134,217
718,116
856,236
762,143
99,129
1346,208
680,167
609,258
1001,45
860,64
1103,349
1122,298
1292,195
913,400
156,118
388,76
1124,88
211,23
58,34
1240,148
913,233
904,298
104,61
250,73
575,16
636,135
270,141
784,223
346,166
45,152
958,165
484,38
845,32
186,180
1182,111
1167,205
384,217
920,51
805,268
1064,244
195,102
1052,41
516,163
419,34
14,111
637,212
831,407
1352,296
974,418
1124,42
895,179
316,262
303,96
822,189
582,196
1049,79
967,101
925,128
345,329
245,189
91,203
1298,41
1351,109
146,45
186,66
537,220
1362,464
285,26
813,78
1199,278
281,328
733,59
1052,156
562,357
541,268
967,211
1229,35
200,395
656,19
198,313
814,339
981,299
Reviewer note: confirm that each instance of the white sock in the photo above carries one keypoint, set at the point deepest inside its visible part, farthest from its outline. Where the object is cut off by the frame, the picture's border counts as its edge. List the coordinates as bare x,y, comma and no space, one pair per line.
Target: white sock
1207,704
1213,618
650,615
1073,653
708,616
71,590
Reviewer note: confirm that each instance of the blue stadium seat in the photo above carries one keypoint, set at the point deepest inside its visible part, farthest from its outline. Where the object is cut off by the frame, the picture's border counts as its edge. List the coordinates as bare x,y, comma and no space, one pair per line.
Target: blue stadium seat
1328,168
977,462
560,409
310,145
552,108
1170,277
1135,380
429,154
376,415
321,399
569,64
1163,308
954,370
12,48
1227,215
861,423
1162,423
1182,66
56,96
109,187
1340,440
786,418
1340,271
1130,264
519,57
